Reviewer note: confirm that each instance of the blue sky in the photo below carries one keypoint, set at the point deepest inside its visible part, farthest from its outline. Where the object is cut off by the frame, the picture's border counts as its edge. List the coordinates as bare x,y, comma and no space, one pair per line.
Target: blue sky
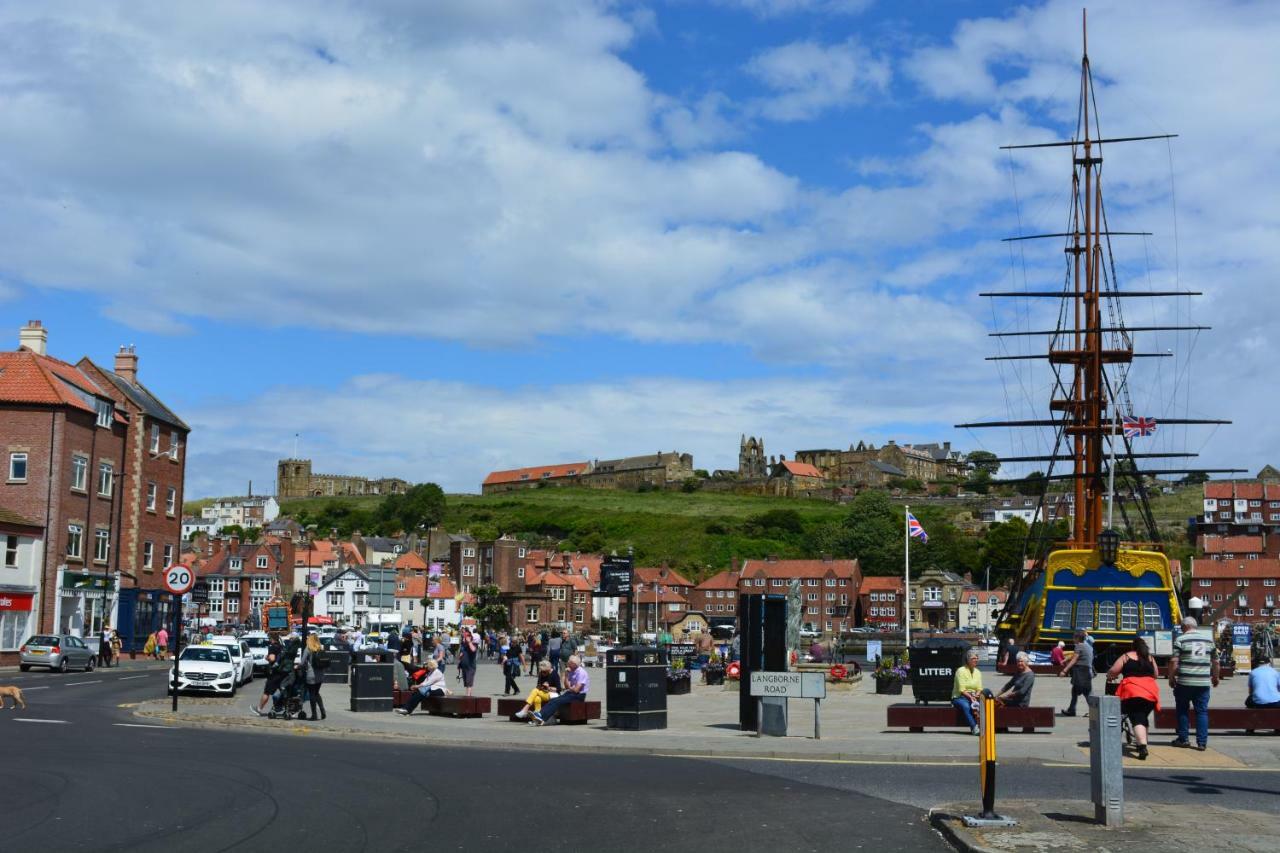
437,239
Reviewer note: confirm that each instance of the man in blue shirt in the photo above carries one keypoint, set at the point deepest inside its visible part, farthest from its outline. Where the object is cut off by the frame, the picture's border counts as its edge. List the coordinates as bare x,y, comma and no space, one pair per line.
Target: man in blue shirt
1264,685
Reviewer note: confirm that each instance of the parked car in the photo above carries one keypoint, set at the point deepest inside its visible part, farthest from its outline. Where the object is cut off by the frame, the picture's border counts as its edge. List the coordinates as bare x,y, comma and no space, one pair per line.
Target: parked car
258,642
62,652
240,656
206,669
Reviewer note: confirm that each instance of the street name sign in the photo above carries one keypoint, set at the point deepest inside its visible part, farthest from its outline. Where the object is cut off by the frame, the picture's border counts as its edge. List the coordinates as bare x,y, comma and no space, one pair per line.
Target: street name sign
789,685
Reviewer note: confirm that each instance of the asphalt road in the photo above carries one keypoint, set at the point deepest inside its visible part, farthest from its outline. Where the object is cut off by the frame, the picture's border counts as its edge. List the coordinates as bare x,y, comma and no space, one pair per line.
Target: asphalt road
98,779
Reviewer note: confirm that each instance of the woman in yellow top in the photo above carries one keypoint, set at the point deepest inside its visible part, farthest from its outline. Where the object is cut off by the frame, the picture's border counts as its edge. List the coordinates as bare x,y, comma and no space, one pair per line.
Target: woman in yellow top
966,692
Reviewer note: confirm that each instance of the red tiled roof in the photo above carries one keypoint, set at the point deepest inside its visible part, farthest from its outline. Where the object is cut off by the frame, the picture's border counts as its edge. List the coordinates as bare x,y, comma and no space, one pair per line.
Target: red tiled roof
1218,490
1249,491
1273,491
1233,544
666,595
529,475
415,586
661,575
26,377
410,560
1228,569
882,583
798,568
724,580
801,469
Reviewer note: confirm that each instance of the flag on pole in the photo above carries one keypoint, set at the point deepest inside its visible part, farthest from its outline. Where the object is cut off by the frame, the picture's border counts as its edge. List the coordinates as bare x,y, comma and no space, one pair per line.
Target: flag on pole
914,528
1138,427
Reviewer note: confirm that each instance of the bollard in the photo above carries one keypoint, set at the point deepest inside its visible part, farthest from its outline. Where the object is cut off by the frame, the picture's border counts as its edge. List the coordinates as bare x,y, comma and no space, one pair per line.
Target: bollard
1106,760
987,767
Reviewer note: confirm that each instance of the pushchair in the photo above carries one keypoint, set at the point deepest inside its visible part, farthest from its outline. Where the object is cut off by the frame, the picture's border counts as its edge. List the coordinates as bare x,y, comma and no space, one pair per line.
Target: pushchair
286,702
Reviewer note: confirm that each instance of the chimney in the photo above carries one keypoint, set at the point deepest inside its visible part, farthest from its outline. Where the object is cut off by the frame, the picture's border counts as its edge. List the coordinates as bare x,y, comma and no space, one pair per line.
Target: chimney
34,337
127,364
217,546
233,545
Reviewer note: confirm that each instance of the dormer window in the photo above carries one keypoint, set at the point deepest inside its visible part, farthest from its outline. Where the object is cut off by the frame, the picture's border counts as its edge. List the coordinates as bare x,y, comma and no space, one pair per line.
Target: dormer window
105,411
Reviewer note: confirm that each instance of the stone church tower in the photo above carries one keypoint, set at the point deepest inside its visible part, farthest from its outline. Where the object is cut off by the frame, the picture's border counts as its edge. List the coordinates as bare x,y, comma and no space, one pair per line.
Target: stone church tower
751,461
293,478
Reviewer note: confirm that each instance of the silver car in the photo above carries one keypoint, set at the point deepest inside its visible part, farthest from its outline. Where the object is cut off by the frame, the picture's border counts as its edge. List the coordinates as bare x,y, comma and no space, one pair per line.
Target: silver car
62,652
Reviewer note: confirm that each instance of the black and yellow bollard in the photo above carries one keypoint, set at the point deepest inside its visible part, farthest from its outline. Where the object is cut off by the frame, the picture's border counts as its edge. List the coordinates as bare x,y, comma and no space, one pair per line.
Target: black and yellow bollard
987,765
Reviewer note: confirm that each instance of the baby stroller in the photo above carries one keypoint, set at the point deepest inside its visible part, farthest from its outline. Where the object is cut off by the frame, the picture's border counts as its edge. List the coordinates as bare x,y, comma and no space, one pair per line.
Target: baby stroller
286,702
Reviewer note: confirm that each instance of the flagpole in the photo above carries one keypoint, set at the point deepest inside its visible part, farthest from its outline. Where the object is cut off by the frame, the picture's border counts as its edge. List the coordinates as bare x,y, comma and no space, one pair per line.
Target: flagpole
1111,473
906,555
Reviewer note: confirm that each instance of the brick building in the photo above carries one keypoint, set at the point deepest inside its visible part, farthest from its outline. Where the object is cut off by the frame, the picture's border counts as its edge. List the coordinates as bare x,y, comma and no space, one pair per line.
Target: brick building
529,478
501,562
21,558
1237,589
882,601
657,470
717,598
243,576
829,588
1245,508
97,463
796,479
294,479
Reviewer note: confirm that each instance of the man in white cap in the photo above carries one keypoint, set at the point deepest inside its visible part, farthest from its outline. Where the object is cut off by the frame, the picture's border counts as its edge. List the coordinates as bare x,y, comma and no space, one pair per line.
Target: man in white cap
1193,669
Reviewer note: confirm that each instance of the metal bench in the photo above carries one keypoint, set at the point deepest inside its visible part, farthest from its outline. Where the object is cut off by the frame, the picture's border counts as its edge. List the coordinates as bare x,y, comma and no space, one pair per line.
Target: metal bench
574,712
1249,720
917,717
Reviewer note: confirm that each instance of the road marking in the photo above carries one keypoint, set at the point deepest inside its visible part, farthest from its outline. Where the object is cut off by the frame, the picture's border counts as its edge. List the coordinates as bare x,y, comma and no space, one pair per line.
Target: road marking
30,720
1164,767
78,683
131,677
140,726
29,689
817,760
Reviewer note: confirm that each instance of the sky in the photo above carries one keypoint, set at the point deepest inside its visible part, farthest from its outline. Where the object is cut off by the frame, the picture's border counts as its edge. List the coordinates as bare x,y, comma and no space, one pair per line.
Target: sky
430,240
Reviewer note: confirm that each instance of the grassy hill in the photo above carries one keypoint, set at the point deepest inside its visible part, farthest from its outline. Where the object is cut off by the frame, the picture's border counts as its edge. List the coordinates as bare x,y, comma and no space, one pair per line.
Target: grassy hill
698,532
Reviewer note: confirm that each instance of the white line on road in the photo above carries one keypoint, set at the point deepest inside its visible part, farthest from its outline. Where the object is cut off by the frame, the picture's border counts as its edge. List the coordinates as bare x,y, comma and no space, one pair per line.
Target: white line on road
30,720
78,683
29,689
131,677
140,726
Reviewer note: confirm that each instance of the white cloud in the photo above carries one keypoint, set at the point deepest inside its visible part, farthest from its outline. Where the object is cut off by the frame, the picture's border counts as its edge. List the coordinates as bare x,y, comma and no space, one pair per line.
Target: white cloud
809,78
778,8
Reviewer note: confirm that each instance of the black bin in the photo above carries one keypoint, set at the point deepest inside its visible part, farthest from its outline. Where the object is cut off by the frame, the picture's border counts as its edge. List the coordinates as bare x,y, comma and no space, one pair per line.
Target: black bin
636,688
371,685
933,668
339,666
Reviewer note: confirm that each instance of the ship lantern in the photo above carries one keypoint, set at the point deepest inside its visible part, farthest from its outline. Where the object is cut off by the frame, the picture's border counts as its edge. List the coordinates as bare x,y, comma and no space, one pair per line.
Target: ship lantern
1195,608
1109,546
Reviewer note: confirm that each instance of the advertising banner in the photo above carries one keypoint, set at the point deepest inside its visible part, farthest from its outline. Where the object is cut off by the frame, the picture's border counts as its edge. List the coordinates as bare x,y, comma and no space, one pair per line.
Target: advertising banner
434,572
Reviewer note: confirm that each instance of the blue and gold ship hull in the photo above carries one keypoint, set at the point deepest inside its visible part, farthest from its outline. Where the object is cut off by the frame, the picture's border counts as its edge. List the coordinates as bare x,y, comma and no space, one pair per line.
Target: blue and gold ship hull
1115,603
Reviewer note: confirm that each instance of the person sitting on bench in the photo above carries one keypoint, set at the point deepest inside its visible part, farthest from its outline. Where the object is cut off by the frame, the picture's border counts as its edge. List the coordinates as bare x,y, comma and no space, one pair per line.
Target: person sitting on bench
1017,693
577,683
548,688
1264,684
966,692
431,686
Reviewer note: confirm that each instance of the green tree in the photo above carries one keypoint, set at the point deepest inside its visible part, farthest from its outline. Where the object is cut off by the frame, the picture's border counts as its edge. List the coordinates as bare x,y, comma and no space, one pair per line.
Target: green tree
422,505
984,460
489,611
872,532
980,482
775,522
1195,478
1034,484
1003,547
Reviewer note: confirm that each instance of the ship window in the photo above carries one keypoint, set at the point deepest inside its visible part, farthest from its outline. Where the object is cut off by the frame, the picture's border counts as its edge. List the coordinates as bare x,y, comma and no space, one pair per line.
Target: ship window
1106,615
1129,616
1151,617
1084,614
1062,615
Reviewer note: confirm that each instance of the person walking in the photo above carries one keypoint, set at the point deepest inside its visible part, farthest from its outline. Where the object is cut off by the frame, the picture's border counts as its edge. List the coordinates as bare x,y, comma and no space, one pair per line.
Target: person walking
966,690
467,652
535,652
1079,665
313,675
162,644
1193,670
511,668
104,647
275,675
1138,691
439,653
553,651
568,648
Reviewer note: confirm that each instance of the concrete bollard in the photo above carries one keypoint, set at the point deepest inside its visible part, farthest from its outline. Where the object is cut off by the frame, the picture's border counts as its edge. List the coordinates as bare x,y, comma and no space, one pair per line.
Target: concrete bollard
1106,760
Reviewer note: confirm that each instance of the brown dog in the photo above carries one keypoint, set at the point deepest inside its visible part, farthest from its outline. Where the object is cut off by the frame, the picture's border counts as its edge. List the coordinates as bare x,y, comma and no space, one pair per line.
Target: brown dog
14,693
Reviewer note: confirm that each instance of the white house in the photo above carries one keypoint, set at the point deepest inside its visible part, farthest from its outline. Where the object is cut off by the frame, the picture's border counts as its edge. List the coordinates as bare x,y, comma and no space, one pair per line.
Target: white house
192,526
982,608
21,555
344,598
252,511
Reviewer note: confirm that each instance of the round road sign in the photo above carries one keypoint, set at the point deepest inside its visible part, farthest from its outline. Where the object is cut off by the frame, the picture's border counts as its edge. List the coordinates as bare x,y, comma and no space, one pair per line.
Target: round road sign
178,579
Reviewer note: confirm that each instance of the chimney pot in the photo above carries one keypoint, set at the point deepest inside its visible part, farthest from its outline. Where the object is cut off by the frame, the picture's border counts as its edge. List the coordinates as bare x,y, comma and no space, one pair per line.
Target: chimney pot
35,337
126,366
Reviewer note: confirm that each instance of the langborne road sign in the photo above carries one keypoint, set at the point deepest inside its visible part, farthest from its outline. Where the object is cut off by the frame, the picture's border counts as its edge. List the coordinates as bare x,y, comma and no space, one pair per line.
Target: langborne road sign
790,685
178,579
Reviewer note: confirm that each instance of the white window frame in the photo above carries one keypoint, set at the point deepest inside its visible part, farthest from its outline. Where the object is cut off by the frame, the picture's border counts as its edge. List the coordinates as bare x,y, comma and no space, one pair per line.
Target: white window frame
531,614
262,561
151,497
101,545
104,411
79,472
148,553
155,439
75,541
106,479
168,556
14,459
170,501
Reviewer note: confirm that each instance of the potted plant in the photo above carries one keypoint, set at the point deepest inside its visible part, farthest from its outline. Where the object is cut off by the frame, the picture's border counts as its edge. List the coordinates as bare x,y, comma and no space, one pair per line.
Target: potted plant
713,670
890,677
679,679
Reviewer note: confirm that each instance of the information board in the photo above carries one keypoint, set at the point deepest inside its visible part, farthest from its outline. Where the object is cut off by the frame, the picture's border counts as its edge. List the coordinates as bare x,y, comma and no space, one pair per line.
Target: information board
615,576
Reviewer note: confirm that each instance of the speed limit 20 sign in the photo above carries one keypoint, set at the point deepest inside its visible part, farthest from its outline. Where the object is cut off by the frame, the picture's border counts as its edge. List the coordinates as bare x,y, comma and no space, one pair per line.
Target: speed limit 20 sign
178,579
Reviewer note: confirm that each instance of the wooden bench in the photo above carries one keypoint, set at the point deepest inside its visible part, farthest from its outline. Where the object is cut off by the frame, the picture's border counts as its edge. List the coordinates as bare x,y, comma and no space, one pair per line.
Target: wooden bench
1037,668
917,717
457,706
1226,719
574,712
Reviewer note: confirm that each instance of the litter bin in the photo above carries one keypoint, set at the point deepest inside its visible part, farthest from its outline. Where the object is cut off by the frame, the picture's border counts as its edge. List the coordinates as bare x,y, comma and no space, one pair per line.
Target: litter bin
636,689
339,666
371,686
933,668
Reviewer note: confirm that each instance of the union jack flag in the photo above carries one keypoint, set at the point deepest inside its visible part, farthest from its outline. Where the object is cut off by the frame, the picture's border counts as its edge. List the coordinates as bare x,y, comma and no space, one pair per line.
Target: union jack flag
1135,427
916,529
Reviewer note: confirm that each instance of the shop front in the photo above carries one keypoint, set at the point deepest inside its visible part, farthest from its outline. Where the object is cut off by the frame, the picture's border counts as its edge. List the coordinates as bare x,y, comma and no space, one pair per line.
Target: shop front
85,602
16,608
142,612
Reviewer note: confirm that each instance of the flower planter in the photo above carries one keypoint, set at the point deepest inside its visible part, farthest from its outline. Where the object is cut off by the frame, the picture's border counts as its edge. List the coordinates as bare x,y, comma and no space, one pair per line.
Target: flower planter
889,688
713,675
679,686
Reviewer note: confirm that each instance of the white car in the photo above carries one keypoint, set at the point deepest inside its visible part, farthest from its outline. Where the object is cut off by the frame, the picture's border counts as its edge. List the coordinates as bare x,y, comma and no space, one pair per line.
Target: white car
205,669
240,656
258,643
